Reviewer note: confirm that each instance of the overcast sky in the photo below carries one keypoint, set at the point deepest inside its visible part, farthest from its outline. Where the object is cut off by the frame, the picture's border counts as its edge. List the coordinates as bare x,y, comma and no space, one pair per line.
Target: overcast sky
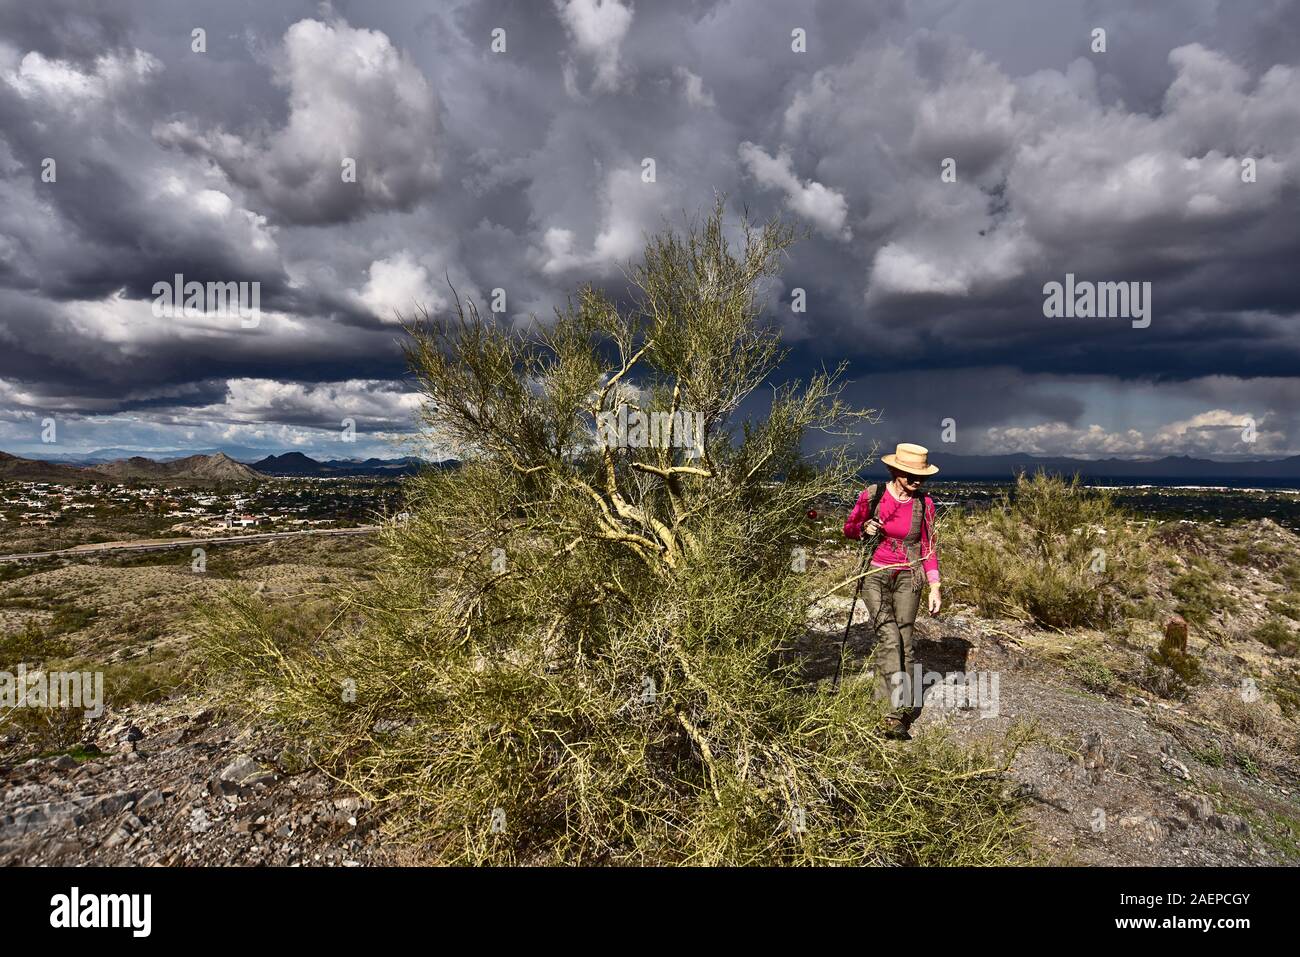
522,170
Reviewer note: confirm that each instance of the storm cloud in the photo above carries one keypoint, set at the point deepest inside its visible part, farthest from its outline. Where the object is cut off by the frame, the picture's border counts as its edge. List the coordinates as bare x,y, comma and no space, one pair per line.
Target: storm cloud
361,161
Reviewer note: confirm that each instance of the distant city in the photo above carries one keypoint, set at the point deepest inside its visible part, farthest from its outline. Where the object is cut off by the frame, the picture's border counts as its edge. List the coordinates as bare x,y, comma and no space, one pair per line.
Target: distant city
1167,470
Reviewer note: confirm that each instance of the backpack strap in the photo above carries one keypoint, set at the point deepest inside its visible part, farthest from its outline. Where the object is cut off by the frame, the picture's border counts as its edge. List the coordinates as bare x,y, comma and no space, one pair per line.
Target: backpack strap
875,499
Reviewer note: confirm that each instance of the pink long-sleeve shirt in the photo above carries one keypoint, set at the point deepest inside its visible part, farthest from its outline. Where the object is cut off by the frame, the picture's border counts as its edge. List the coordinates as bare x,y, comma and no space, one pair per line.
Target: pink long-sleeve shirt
895,520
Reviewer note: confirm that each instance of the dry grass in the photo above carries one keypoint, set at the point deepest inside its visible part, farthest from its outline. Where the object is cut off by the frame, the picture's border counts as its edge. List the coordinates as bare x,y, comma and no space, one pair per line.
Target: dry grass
1050,552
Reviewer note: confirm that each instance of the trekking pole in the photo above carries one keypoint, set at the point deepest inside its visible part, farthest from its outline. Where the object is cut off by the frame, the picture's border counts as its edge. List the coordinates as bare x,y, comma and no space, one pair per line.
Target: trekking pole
853,607
868,546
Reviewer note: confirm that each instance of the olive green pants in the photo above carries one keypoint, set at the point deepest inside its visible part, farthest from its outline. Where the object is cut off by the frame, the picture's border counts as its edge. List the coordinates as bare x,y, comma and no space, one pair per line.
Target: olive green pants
892,599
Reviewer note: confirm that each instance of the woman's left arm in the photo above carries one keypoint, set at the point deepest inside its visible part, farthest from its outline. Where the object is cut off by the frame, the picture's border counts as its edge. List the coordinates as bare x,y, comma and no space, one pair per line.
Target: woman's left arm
930,557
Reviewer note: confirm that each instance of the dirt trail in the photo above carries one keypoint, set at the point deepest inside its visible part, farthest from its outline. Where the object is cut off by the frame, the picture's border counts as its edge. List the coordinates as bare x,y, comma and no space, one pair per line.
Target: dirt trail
1111,780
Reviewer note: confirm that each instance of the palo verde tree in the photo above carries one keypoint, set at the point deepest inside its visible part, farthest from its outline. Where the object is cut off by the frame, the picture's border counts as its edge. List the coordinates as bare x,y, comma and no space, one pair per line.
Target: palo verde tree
578,649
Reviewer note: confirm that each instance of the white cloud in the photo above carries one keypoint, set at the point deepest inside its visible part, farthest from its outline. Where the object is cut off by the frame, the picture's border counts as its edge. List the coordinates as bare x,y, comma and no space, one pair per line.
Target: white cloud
1060,438
824,207
63,86
1217,432
241,228
1046,172
597,28
399,285
693,89
630,208
352,96
372,403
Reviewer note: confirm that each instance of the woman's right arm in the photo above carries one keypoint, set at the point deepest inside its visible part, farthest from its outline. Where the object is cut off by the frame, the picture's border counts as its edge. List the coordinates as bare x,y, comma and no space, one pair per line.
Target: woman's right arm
858,517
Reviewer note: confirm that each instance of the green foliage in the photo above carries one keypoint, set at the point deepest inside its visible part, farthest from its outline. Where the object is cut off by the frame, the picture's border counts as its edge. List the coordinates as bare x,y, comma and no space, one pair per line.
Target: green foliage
69,618
1197,593
1275,633
1285,689
1050,551
1092,672
580,654
1211,756
138,682
1287,605
31,644
1182,664
44,730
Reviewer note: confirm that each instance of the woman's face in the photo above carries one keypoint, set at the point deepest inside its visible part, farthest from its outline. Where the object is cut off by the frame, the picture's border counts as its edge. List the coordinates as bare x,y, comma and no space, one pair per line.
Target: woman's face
910,484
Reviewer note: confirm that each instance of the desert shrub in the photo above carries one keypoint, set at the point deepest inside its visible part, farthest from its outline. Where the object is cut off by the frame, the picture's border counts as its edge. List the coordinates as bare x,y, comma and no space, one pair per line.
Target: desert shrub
1197,594
140,682
12,571
1052,552
1239,555
1182,537
43,730
1164,682
1187,668
1256,717
1211,755
1288,606
69,618
1275,633
575,651
32,644
1092,671
1285,689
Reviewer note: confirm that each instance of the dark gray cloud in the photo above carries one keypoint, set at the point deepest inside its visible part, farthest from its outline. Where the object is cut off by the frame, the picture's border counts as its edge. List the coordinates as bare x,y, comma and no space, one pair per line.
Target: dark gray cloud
521,170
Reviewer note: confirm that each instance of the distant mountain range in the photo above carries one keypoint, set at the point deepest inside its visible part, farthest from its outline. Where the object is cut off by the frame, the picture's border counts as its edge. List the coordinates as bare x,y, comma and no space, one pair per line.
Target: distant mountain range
193,469
297,464
237,452
1169,469
15,469
209,468
201,469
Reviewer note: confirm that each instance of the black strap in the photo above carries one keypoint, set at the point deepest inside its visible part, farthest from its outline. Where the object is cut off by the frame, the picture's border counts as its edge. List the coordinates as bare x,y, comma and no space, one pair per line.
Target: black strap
875,500
871,511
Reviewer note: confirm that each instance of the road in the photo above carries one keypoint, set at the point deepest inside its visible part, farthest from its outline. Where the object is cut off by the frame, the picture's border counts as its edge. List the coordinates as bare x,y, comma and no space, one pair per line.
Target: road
160,544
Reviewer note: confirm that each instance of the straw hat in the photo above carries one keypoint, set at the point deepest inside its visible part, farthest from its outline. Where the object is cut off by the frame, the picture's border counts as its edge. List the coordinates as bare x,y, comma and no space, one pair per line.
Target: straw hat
912,459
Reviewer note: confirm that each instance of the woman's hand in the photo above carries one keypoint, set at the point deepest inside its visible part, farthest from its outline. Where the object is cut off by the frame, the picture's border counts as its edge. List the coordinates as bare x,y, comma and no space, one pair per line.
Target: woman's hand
935,602
870,528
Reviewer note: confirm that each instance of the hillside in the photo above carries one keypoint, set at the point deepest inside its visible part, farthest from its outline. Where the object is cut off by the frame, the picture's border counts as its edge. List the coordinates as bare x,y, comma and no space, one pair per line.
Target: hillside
15,469
1127,763
195,468
1115,773
296,464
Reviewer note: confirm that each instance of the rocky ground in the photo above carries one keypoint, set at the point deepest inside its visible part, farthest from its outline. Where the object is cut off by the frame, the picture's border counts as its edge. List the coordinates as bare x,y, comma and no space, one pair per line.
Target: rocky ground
192,790
195,788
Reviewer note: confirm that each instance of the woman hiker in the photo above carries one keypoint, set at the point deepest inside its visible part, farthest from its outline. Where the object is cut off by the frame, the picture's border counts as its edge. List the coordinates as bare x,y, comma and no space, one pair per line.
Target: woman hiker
901,564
